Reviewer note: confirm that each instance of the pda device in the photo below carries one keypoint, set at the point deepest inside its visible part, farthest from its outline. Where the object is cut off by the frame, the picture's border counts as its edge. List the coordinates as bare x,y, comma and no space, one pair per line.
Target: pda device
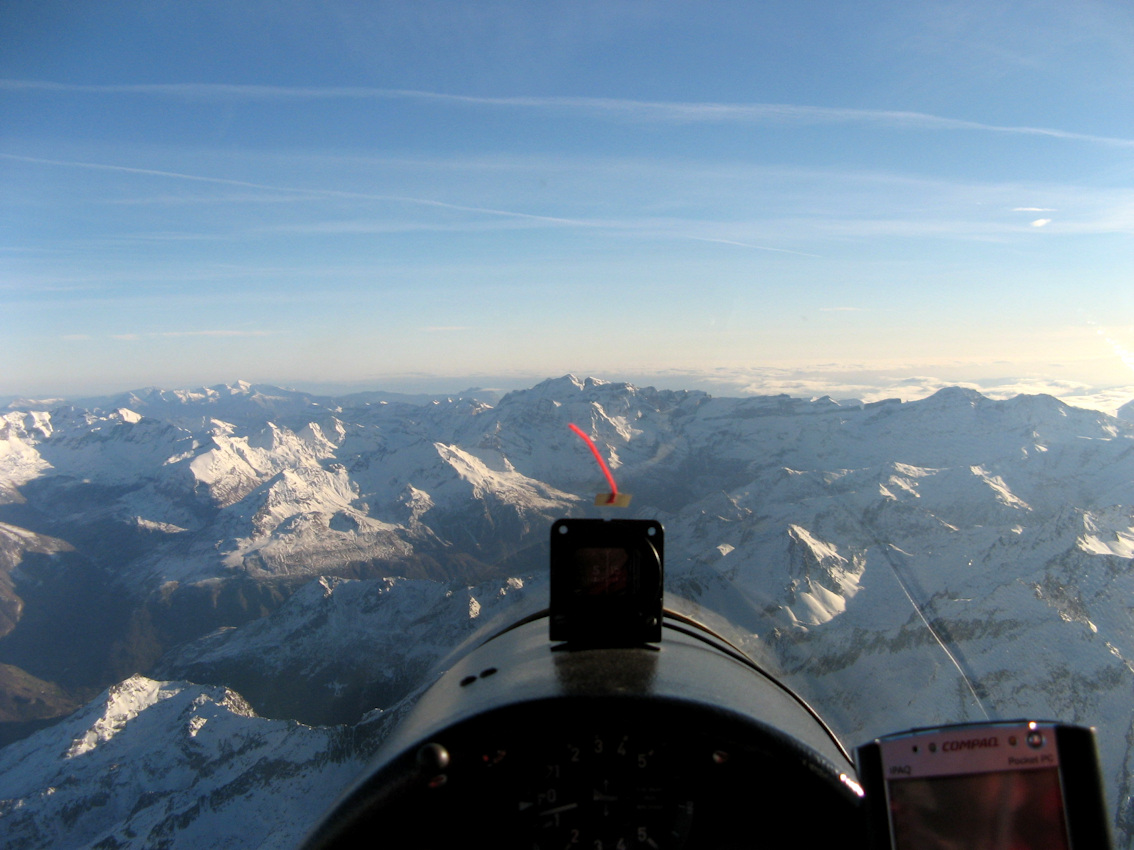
1017,785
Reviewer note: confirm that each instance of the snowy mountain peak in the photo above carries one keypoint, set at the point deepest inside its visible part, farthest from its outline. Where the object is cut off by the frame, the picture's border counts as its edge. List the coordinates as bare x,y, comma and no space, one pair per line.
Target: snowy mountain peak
568,386
822,580
163,764
119,705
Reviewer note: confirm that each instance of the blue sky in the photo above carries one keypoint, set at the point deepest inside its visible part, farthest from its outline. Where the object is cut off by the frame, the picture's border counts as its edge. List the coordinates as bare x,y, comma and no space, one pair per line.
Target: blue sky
762,197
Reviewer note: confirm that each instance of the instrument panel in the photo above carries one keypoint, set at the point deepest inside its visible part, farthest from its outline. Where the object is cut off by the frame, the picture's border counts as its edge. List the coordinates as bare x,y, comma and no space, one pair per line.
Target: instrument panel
600,789
608,775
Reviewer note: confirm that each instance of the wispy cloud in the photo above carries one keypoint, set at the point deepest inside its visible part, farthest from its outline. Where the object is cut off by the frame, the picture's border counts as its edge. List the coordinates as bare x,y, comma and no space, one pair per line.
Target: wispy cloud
296,190
212,333
1041,222
135,337
625,109
740,244
526,218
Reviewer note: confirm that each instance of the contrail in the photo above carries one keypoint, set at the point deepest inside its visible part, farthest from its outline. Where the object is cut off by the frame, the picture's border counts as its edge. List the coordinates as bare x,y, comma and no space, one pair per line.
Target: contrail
317,193
424,202
668,111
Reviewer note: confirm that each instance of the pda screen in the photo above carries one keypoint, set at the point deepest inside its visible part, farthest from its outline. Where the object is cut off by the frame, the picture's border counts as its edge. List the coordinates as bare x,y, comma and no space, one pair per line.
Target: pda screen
1002,810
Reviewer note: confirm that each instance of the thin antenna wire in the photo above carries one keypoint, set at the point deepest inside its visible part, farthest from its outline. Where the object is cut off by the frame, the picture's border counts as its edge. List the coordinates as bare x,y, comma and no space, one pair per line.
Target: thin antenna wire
884,549
602,463
933,631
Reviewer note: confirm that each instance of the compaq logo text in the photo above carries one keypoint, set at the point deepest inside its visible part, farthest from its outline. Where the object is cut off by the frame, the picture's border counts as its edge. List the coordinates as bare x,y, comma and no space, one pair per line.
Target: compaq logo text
970,744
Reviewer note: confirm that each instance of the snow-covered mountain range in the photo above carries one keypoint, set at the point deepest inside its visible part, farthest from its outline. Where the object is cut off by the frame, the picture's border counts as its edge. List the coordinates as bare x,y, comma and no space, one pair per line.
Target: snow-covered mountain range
306,560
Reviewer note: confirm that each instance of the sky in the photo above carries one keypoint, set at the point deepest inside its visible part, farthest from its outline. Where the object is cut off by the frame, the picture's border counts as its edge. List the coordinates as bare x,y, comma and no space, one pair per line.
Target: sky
859,198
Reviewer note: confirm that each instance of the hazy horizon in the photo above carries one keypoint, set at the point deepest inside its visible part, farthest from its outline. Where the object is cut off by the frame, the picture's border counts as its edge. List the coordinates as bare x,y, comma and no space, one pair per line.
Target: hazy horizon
815,384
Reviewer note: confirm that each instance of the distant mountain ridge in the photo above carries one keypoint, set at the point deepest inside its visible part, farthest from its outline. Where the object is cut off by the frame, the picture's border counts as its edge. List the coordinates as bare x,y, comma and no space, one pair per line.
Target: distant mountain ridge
319,554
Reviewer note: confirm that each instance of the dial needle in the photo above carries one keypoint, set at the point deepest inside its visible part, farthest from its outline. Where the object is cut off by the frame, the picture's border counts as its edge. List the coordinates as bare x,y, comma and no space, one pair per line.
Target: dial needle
559,809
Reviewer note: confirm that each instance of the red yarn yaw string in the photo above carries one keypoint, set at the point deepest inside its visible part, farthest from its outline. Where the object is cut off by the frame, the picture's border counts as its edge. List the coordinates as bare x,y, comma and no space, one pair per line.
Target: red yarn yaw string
602,463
